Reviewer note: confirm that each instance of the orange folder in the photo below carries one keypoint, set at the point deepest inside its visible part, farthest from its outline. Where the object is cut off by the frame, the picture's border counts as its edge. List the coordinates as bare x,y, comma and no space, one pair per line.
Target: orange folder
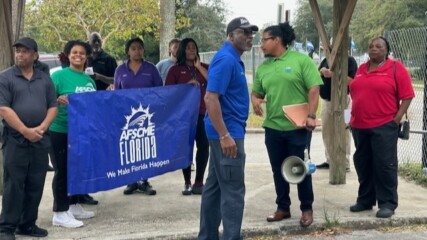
297,114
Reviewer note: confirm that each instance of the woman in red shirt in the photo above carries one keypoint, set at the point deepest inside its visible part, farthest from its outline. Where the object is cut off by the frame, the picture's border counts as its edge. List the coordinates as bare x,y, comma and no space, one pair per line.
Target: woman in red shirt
381,93
189,69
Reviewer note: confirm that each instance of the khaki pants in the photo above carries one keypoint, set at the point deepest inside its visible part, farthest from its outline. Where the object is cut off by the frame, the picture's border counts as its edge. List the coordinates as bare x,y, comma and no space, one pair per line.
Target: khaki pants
326,116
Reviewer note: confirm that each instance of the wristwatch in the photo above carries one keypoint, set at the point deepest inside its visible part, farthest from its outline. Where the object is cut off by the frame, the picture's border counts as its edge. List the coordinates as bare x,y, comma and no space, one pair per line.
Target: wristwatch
312,116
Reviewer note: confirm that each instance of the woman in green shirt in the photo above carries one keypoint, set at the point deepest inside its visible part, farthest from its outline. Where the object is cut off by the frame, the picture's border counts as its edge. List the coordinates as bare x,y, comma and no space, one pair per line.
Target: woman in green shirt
69,80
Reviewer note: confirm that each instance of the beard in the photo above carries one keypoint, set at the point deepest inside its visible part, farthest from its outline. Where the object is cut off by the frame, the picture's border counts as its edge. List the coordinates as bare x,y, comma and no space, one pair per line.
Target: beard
23,64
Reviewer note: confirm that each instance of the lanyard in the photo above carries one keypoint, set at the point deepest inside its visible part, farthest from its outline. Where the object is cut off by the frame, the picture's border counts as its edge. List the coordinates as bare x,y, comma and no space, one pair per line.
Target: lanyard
192,73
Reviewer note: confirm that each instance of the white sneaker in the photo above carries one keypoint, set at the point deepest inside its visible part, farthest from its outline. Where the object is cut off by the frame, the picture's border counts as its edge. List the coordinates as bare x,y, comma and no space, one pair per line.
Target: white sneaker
78,212
65,219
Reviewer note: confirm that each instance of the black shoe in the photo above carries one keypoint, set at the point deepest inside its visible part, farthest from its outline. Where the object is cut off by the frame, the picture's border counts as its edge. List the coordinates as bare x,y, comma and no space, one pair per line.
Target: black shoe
146,188
32,231
197,189
7,236
384,213
86,199
324,165
131,188
359,208
187,189
50,168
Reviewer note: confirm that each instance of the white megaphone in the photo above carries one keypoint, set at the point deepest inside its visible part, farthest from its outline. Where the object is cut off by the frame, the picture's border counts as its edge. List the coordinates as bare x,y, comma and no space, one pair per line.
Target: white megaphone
294,169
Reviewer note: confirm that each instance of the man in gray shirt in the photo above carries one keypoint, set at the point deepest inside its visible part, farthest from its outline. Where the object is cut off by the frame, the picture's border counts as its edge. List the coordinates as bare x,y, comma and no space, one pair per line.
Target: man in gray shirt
28,106
164,65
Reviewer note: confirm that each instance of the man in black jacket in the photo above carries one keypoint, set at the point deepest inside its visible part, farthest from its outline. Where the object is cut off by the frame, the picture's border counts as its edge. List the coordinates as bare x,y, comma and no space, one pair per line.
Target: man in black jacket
102,63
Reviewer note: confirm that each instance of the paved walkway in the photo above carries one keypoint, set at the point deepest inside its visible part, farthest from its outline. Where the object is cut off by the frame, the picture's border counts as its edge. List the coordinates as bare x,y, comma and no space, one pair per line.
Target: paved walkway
170,215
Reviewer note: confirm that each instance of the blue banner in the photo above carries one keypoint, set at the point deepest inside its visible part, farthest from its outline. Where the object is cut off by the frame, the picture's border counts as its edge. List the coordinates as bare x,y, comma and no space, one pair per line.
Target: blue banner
122,136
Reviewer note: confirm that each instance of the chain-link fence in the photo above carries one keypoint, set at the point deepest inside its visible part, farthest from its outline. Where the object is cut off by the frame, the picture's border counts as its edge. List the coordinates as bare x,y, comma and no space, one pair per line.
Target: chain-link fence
252,59
410,47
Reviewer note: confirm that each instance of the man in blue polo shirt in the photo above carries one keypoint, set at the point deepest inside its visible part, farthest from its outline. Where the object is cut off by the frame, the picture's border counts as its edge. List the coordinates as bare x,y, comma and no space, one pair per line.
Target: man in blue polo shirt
28,106
227,103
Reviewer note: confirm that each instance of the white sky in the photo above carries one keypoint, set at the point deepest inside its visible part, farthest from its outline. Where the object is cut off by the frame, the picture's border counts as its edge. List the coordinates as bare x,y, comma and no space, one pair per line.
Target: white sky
258,12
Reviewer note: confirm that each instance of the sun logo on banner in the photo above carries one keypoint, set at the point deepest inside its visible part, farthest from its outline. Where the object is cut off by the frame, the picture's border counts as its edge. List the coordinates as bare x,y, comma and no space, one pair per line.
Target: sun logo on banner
138,138
139,117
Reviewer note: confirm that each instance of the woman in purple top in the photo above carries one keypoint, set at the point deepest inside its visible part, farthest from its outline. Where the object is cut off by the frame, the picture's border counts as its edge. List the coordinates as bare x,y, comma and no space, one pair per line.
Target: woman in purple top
137,73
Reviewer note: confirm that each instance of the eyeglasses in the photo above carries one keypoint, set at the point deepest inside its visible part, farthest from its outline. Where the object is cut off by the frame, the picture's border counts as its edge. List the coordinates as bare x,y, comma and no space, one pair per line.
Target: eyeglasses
247,32
263,40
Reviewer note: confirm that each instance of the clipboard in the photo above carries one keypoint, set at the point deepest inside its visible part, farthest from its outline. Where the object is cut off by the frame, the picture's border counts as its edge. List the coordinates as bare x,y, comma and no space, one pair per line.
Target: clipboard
297,114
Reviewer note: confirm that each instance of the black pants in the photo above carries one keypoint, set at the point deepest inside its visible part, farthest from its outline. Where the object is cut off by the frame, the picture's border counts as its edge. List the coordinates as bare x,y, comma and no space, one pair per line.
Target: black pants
202,154
280,145
25,167
375,161
61,201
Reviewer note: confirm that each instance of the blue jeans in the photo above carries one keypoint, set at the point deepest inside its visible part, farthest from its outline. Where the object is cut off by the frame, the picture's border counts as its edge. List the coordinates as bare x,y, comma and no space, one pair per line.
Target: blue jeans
223,196
280,145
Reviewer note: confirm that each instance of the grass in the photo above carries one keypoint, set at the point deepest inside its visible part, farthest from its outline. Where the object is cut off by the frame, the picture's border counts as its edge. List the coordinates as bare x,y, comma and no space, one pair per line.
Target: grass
330,221
254,121
418,84
413,172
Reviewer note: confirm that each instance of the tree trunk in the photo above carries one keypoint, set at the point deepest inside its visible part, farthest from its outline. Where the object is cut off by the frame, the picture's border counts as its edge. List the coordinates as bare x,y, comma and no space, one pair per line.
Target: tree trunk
18,7
337,171
167,26
11,23
6,55
6,40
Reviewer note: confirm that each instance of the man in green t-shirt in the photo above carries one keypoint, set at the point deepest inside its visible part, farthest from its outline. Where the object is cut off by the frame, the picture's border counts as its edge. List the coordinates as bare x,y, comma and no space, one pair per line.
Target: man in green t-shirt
285,78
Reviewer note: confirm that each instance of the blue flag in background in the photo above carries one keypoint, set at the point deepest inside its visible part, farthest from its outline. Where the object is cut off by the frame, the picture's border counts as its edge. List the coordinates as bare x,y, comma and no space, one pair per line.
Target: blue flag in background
309,45
298,46
353,44
119,137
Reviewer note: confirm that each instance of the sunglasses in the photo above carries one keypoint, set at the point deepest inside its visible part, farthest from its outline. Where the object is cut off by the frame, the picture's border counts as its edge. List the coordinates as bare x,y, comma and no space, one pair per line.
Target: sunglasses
247,32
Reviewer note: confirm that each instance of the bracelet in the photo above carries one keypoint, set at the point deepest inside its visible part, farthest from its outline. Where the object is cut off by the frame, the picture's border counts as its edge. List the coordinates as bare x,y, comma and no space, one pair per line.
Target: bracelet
225,136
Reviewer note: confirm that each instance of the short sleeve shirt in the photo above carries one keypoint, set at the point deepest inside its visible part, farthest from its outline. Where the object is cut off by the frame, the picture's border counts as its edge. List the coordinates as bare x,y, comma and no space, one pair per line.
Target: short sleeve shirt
29,99
375,94
163,66
285,80
68,81
226,77
179,74
147,76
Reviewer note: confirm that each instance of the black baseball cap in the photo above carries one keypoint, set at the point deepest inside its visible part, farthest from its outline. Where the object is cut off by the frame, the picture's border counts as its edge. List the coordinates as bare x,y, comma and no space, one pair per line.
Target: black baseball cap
240,22
27,42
